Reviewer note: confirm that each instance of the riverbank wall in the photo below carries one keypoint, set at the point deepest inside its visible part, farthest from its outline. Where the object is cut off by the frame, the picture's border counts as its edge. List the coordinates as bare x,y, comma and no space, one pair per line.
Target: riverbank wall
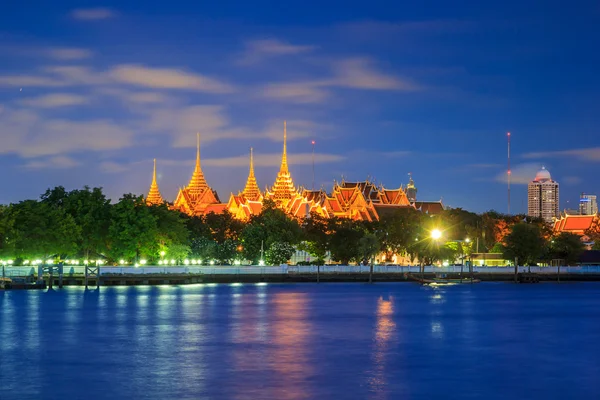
154,275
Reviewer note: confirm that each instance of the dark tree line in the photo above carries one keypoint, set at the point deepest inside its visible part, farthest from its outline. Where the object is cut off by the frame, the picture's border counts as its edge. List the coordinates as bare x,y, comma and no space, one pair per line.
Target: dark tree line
84,224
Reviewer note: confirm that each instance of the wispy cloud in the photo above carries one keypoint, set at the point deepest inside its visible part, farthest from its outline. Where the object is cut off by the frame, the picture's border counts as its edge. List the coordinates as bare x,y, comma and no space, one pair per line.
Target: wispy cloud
520,174
55,100
166,78
300,93
113,167
28,134
351,73
88,14
585,154
257,50
66,53
58,162
360,73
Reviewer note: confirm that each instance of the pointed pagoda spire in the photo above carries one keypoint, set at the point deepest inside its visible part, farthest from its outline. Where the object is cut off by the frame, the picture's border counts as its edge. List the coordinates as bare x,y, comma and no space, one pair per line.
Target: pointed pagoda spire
198,182
283,188
154,196
284,164
251,191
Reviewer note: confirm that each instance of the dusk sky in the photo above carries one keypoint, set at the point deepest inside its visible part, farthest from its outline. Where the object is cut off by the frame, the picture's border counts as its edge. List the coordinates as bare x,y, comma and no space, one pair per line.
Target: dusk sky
89,95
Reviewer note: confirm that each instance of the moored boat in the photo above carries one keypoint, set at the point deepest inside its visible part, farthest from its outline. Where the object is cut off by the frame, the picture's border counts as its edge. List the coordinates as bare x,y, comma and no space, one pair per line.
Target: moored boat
443,280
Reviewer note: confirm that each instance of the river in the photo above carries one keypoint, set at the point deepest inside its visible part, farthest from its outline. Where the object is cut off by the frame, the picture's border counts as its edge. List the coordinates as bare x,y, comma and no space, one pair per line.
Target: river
302,341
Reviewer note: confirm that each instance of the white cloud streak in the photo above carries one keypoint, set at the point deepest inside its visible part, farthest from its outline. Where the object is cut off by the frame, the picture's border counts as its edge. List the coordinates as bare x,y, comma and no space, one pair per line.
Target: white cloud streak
258,50
584,154
55,100
91,14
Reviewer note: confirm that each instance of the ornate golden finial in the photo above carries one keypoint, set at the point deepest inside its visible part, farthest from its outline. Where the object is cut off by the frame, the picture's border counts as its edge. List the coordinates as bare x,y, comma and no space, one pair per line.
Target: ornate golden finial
154,196
284,165
251,191
198,182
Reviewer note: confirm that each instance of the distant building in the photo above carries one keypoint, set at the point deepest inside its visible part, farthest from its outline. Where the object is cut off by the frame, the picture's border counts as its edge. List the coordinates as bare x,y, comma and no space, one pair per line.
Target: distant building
542,197
411,190
588,204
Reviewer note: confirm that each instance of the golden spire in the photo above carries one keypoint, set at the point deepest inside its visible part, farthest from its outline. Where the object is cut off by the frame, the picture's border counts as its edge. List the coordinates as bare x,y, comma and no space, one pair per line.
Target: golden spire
197,183
284,164
283,188
251,191
154,196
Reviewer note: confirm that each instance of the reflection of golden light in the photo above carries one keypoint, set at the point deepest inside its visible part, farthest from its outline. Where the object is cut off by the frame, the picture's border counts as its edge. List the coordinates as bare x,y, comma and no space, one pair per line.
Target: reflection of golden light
384,331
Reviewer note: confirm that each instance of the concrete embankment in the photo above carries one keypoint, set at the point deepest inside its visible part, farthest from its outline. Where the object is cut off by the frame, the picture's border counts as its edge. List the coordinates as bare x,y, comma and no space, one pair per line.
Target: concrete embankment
184,279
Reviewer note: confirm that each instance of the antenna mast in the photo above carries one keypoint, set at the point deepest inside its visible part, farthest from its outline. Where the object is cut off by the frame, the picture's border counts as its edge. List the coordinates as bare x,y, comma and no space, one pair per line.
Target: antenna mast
508,171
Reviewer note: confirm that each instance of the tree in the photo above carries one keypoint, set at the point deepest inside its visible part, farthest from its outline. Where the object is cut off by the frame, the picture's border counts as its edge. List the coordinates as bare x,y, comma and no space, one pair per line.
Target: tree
567,246
39,230
399,231
315,236
178,252
132,232
91,211
279,253
203,248
368,246
170,228
525,243
345,236
225,252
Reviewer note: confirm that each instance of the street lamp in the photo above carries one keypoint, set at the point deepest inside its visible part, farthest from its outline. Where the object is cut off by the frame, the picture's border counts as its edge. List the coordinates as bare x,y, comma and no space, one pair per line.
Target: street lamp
436,234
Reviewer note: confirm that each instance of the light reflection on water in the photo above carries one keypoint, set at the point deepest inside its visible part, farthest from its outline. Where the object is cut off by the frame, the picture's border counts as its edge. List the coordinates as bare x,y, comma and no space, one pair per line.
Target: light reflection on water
382,341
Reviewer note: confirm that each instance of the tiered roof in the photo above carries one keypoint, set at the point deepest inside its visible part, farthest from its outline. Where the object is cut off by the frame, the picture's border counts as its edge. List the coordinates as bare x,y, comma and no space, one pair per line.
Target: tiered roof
154,196
195,198
251,191
577,224
283,189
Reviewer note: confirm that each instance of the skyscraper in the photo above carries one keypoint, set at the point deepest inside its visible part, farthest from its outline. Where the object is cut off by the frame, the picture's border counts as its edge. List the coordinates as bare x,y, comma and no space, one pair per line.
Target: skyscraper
588,204
542,196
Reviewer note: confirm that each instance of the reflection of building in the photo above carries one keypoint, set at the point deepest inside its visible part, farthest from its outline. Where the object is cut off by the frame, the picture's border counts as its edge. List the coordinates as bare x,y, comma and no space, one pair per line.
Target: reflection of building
542,197
355,200
588,204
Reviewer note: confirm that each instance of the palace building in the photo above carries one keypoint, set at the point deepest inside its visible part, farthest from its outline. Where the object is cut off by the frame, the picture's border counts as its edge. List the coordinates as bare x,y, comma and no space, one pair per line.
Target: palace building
355,200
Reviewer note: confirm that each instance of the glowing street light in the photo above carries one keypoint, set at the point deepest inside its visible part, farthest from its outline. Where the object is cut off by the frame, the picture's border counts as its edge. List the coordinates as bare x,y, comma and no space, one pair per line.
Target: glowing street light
436,234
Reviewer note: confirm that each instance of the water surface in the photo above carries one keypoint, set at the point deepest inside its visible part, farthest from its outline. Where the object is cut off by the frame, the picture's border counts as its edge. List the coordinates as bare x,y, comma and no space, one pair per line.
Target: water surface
302,341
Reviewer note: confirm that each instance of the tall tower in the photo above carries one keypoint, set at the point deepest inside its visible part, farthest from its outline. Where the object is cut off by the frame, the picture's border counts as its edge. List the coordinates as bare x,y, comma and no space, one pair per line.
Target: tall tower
283,189
251,191
543,196
588,204
197,184
411,189
154,196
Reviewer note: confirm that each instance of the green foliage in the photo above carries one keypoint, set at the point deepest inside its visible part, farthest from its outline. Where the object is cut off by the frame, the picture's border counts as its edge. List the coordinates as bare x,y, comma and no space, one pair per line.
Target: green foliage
202,248
498,248
178,252
171,229
398,231
345,237
132,233
38,230
225,252
567,246
368,246
524,242
316,238
279,253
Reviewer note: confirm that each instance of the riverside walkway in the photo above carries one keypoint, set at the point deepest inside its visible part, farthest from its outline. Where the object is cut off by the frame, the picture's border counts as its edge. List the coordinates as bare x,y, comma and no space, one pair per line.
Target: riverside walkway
154,275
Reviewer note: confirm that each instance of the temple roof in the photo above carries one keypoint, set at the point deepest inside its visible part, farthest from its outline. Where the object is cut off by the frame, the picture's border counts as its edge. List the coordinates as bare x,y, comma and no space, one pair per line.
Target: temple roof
283,189
429,207
251,191
154,196
198,182
575,223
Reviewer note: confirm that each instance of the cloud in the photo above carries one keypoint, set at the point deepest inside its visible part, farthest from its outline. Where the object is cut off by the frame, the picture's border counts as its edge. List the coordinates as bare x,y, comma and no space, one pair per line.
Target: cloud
351,73
66,53
521,174
257,50
165,78
27,134
571,180
112,167
585,154
29,81
58,162
88,14
301,92
55,100
359,73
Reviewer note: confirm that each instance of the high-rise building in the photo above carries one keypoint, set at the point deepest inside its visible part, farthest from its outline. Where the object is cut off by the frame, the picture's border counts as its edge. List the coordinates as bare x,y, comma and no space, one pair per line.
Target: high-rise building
588,204
542,197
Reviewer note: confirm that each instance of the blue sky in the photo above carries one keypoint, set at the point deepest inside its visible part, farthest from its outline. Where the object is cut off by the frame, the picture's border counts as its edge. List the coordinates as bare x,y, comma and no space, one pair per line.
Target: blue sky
90,94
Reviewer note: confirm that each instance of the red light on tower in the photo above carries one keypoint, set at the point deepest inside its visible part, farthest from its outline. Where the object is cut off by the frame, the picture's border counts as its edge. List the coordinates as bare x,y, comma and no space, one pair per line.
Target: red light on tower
313,142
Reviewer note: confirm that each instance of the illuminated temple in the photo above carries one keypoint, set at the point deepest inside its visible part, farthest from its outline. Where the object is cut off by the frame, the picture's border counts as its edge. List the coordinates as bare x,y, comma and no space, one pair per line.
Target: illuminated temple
355,200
